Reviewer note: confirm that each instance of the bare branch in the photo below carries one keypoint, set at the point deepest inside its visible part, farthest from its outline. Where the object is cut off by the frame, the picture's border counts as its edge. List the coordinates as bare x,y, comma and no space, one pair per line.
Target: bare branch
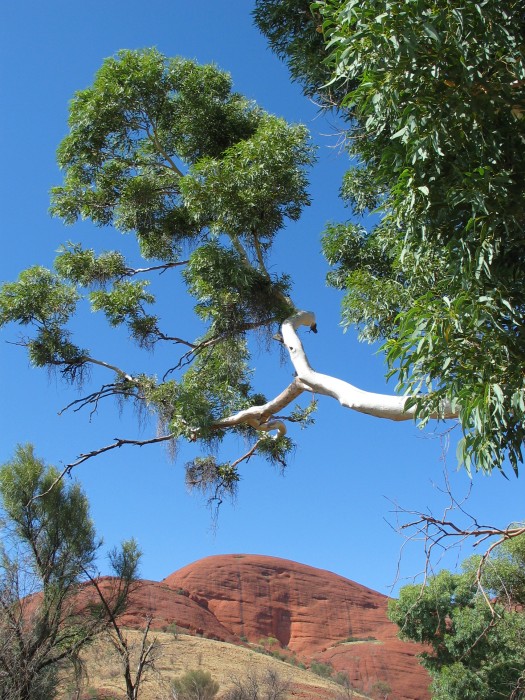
130,271
119,442
105,391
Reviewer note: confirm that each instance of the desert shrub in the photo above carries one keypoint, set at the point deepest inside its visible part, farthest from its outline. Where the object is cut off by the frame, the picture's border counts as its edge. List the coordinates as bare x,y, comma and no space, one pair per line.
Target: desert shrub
321,669
380,690
346,691
173,629
268,641
269,686
195,684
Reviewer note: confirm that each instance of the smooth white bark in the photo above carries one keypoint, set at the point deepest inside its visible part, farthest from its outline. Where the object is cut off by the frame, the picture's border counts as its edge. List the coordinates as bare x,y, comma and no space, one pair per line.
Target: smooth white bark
348,395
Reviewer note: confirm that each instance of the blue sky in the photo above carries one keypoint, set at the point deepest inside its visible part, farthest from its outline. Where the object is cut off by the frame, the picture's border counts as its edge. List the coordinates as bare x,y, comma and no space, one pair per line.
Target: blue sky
333,508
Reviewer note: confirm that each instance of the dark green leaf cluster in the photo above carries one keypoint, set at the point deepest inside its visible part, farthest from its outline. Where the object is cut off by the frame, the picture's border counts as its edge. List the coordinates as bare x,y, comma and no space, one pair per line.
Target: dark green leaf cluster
475,655
304,416
294,32
249,190
38,296
132,133
195,684
42,299
232,295
215,481
276,449
54,521
85,268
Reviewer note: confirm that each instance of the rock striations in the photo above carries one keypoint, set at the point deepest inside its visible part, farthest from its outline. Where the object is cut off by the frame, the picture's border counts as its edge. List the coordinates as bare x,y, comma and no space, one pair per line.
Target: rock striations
313,615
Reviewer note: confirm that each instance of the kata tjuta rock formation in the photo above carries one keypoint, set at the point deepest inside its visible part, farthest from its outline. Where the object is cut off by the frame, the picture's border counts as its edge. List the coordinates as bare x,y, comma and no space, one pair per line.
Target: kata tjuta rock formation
313,613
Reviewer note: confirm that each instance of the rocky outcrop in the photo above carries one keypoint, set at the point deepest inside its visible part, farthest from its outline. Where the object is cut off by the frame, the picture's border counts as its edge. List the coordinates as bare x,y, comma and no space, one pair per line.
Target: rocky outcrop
312,613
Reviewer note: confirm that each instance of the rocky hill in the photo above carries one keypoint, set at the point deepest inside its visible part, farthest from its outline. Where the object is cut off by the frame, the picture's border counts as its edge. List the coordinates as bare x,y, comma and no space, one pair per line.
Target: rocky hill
293,610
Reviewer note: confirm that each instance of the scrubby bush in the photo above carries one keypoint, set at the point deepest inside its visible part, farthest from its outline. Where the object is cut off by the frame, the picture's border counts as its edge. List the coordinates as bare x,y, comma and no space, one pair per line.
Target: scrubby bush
269,686
195,684
321,669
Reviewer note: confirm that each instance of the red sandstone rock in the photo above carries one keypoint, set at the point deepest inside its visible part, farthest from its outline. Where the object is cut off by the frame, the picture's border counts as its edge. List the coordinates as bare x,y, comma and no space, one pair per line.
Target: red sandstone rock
315,614
311,612
166,606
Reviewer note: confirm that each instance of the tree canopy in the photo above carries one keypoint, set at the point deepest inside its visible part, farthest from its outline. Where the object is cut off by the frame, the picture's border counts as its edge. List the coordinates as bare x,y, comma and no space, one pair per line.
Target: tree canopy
477,649
164,149
432,101
205,180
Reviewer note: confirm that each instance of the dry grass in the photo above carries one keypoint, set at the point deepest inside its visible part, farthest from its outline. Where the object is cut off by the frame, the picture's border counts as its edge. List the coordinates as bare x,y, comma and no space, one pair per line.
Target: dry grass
178,654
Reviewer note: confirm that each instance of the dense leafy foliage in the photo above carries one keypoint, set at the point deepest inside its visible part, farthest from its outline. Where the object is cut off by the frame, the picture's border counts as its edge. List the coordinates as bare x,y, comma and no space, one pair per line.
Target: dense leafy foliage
477,653
433,96
204,179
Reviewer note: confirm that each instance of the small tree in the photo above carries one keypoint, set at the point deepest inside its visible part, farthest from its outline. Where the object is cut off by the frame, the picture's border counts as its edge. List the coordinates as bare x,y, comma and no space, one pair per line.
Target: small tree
195,685
47,555
136,660
474,624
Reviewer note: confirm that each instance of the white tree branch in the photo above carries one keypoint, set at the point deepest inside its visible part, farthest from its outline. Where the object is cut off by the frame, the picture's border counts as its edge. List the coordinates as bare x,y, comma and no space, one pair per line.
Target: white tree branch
349,396
260,417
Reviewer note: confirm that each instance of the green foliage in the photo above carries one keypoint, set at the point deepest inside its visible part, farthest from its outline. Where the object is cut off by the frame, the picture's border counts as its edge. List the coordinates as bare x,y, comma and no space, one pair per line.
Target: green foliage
268,642
275,449
475,654
304,416
47,557
433,98
294,32
164,149
85,268
231,294
325,670
212,479
254,185
52,521
195,684
48,543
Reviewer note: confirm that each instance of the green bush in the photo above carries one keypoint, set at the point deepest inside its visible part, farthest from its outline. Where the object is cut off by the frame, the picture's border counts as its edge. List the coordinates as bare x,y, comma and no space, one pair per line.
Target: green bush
321,669
194,685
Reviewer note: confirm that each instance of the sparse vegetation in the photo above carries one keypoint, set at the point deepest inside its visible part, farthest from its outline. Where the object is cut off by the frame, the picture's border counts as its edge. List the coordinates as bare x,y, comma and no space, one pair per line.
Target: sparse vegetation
173,629
354,640
47,556
269,642
269,686
380,690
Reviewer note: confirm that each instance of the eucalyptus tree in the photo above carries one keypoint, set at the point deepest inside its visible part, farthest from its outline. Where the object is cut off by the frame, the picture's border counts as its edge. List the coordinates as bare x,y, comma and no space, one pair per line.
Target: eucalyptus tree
474,651
432,101
205,180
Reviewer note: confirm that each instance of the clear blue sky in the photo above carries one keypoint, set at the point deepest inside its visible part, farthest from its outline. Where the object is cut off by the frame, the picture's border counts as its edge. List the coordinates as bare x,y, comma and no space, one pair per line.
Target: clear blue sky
332,509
